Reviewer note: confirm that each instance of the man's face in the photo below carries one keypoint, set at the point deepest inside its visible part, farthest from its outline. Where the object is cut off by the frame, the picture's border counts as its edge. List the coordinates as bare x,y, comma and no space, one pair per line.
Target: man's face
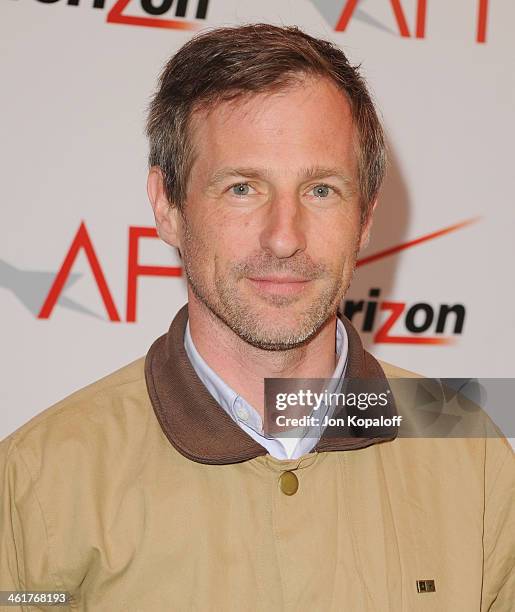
271,225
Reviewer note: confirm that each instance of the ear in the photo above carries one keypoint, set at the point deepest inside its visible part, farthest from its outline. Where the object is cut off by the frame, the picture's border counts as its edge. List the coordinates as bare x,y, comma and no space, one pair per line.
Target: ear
367,226
166,214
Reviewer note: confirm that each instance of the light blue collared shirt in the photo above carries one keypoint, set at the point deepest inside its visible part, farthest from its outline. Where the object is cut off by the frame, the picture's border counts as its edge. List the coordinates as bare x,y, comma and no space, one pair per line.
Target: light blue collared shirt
247,417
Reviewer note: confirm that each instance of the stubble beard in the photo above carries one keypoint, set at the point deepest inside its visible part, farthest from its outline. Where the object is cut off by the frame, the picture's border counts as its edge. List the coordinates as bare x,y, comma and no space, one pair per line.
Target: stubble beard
239,314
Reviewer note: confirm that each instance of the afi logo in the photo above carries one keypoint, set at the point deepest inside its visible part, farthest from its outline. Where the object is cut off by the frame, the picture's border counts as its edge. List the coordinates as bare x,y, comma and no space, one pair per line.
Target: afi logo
82,242
339,18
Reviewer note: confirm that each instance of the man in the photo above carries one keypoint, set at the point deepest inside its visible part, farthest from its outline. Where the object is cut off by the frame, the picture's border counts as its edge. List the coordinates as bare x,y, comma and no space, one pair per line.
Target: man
158,487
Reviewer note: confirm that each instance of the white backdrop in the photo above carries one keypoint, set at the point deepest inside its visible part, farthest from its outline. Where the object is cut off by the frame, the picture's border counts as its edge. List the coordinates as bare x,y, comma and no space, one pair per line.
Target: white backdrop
77,76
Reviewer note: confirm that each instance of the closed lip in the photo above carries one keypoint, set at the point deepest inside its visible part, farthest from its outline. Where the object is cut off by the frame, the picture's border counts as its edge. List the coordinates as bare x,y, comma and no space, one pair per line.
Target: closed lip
279,279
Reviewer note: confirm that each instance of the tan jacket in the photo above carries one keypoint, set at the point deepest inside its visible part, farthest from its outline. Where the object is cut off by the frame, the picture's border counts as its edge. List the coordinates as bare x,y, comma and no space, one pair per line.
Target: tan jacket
143,495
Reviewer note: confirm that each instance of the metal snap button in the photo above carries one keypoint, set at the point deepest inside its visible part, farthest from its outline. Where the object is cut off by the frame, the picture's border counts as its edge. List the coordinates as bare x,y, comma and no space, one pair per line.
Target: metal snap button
289,483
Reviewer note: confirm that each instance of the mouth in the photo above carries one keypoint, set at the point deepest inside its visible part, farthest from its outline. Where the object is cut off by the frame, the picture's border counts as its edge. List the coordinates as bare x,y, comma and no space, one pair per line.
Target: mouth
279,285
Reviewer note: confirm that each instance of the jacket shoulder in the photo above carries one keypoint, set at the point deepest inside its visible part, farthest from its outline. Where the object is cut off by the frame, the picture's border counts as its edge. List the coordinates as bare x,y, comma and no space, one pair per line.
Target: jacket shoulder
84,404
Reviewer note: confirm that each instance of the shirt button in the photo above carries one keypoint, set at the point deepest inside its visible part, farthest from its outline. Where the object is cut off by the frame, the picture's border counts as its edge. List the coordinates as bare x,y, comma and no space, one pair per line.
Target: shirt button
242,413
289,483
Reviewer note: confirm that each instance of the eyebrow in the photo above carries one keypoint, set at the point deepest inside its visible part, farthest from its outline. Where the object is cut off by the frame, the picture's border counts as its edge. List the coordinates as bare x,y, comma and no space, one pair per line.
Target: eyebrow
313,172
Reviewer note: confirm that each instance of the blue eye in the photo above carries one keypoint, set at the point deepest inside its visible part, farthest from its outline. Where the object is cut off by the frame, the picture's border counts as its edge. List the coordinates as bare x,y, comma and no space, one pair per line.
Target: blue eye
241,189
320,191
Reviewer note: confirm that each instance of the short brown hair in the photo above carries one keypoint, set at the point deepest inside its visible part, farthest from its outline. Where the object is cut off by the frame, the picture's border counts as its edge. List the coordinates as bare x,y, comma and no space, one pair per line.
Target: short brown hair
225,63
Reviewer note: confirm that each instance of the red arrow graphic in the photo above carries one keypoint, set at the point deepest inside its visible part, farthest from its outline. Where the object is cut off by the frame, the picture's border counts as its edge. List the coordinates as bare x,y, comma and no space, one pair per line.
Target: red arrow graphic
406,245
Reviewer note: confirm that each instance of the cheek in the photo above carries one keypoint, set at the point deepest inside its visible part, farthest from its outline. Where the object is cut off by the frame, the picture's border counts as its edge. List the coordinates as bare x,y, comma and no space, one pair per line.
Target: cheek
336,239
212,246
195,241
236,234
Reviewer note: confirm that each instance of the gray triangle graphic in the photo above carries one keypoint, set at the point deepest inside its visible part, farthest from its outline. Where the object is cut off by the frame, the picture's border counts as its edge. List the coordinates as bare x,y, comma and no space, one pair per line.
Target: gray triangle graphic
332,9
32,286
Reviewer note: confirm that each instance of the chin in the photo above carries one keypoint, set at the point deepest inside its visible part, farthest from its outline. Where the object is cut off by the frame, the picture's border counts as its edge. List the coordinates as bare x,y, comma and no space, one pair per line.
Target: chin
283,318
277,330
274,342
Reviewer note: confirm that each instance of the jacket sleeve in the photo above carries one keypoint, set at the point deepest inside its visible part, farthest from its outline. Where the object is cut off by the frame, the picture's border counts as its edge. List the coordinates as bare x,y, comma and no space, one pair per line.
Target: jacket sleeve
24,559
498,593
10,553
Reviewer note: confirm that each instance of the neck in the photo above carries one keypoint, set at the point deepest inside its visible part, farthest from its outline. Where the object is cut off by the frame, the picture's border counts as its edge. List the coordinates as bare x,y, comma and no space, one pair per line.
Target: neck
244,367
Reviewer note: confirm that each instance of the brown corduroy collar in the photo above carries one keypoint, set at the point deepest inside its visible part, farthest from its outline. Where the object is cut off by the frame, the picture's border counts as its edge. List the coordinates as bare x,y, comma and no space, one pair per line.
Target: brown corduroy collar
199,428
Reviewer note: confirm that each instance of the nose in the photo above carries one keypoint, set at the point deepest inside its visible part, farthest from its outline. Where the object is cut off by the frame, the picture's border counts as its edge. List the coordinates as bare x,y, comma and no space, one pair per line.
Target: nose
283,233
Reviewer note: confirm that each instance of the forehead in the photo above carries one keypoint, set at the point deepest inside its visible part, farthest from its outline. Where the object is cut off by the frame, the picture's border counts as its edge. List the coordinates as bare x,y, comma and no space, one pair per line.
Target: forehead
305,124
